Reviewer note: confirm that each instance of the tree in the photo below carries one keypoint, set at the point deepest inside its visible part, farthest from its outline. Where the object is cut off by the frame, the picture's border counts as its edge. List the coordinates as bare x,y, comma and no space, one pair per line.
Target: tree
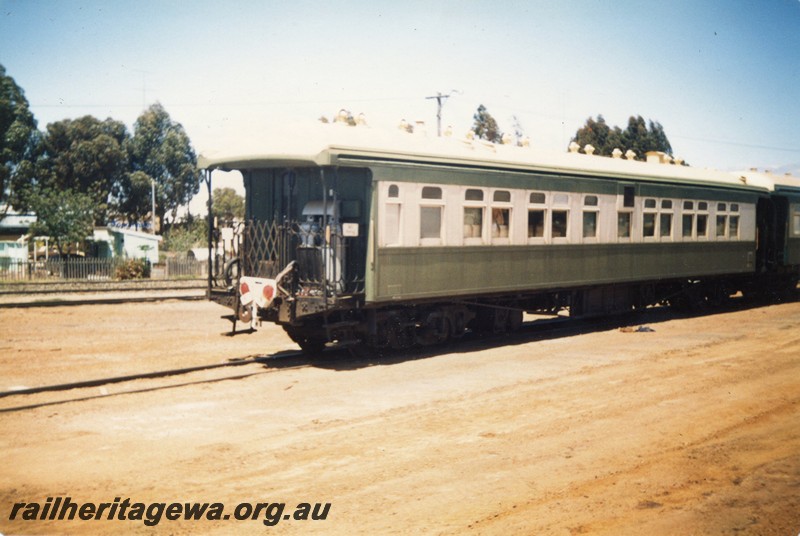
85,155
183,236
638,137
66,216
161,150
18,134
227,205
485,127
134,203
599,135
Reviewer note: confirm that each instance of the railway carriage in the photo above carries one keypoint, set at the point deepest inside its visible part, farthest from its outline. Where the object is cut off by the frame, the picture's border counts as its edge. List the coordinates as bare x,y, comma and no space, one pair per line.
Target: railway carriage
402,240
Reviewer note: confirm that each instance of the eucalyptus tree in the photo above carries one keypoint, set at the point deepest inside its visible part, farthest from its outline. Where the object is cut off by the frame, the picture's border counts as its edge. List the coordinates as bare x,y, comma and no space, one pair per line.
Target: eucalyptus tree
87,156
639,136
18,136
485,126
161,151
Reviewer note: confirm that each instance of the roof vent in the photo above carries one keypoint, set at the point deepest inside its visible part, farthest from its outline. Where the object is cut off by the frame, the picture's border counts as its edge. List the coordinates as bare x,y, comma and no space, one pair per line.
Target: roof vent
574,147
630,154
616,153
657,157
588,149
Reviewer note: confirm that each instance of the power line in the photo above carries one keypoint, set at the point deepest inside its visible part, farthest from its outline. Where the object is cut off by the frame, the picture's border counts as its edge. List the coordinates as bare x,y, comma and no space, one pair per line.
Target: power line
740,144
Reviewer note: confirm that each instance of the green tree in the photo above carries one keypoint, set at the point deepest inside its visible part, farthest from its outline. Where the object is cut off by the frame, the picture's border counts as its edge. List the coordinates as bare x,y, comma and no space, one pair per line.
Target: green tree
638,137
85,155
599,135
485,127
19,136
65,216
162,151
183,236
227,205
134,202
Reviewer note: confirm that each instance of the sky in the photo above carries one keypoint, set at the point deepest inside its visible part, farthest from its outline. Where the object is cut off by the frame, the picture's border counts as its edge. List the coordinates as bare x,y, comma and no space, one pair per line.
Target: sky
722,77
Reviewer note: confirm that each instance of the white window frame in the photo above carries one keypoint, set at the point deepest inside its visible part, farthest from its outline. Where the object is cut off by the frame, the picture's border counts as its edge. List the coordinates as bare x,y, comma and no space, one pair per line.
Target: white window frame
501,205
590,209
473,240
543,207
557,206
432,203
392,202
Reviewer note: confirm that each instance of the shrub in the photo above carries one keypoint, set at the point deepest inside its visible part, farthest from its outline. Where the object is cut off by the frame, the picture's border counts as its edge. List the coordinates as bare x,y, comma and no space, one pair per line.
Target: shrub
132,269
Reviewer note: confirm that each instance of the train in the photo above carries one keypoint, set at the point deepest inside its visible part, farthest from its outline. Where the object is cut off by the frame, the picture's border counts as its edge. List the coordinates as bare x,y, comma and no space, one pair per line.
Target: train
362,239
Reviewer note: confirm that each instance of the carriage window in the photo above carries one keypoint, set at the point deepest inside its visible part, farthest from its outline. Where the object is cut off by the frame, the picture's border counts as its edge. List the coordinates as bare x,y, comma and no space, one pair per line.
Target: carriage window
430,217
665,225
430,222
474,195
722,220
702,225
473,222
537,198
796,223
733,227
559,223
702,205
649,225
392,211
688,205
590,217
688,224
590,224
649,219
536,223
624,224
665,219
500,219
734,207
502,196
431,192
721,225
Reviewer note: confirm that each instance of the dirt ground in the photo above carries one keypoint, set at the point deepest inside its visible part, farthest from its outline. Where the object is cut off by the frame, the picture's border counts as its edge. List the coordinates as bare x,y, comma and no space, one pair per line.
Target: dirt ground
691,428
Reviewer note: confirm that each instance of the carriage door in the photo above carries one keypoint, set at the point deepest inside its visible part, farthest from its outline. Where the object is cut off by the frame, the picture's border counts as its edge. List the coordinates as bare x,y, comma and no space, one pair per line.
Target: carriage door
321,252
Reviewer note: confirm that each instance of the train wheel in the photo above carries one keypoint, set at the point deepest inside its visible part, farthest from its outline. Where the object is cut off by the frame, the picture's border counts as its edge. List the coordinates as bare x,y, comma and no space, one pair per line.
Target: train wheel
514,320
310,344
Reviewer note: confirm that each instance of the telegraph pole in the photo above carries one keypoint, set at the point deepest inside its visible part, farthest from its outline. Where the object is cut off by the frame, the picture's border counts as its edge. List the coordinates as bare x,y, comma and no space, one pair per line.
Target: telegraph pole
440,98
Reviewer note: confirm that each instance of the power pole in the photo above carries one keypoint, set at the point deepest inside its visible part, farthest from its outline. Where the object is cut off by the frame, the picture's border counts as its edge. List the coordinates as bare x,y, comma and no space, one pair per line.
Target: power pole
440,98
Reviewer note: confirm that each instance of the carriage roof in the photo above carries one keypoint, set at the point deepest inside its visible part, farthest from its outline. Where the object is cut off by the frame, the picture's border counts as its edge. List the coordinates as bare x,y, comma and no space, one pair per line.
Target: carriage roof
338,145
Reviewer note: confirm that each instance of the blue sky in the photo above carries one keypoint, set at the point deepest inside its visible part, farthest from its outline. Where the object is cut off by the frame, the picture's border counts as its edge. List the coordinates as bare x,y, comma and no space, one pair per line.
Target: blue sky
722,77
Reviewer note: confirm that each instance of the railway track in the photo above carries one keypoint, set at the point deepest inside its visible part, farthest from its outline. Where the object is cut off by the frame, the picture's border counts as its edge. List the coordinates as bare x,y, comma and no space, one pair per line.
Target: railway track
531,331
270,364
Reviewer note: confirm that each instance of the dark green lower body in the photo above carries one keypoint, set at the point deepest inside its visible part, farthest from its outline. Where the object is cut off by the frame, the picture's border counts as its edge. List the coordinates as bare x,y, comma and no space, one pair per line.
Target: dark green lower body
440,272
